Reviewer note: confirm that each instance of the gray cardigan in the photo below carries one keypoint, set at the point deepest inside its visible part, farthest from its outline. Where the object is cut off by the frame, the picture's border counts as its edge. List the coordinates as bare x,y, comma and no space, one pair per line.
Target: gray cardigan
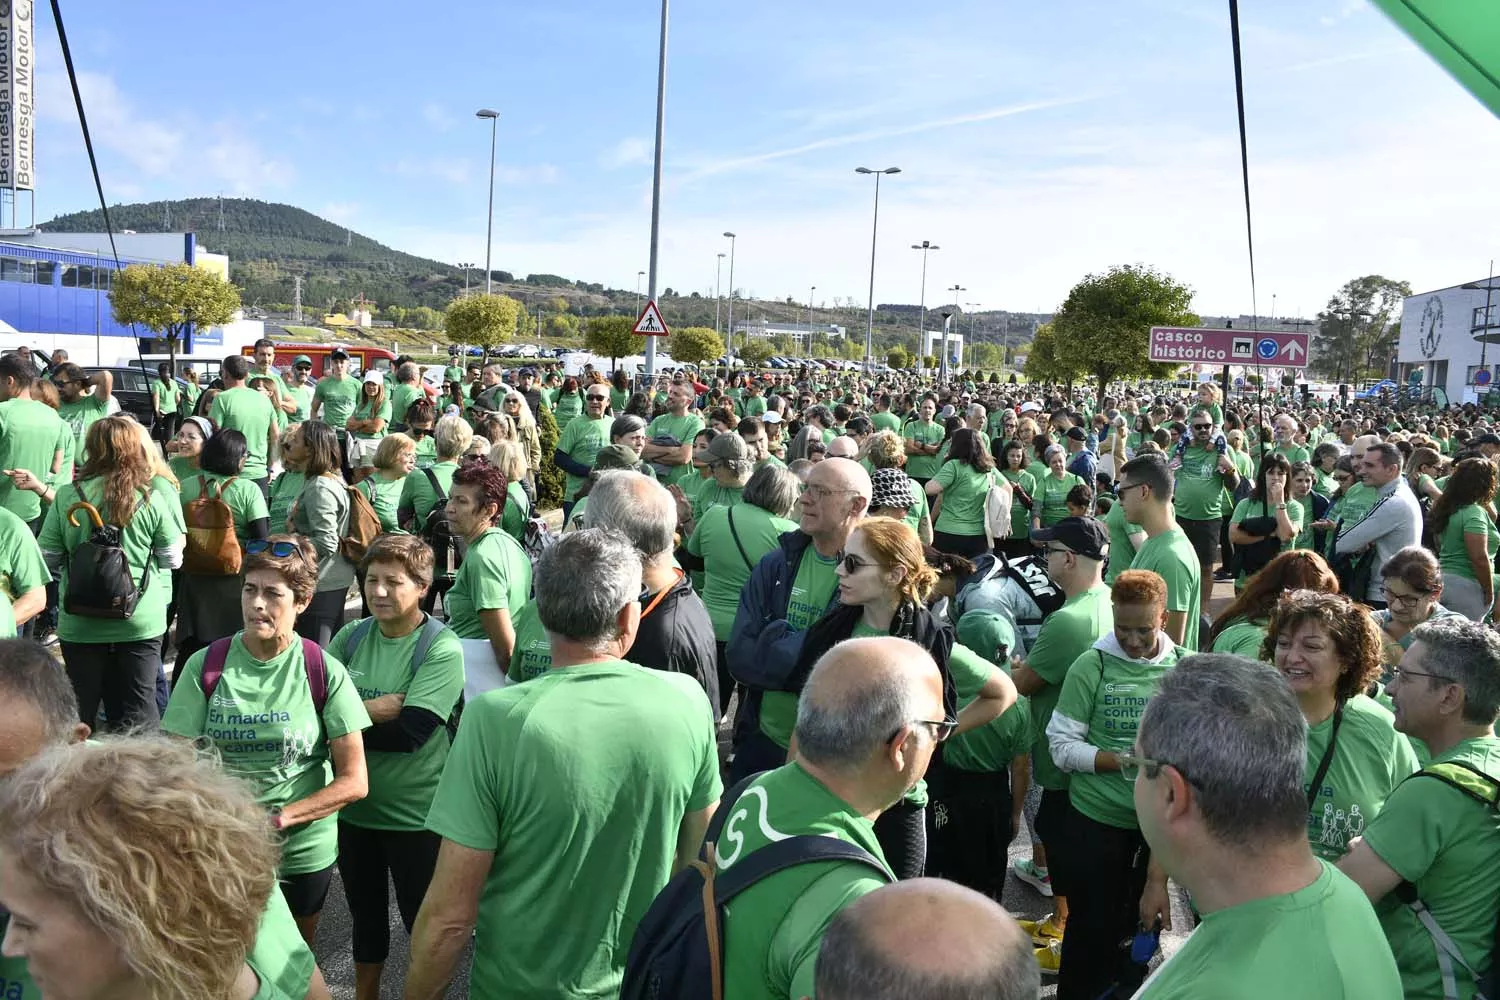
1394,523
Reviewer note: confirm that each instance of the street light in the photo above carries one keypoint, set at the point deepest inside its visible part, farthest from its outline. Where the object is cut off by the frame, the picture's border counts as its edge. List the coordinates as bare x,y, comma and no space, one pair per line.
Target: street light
874,232
638,276
943,354
466,268
807,344
718,296
973,310
729,321
489,223
924,246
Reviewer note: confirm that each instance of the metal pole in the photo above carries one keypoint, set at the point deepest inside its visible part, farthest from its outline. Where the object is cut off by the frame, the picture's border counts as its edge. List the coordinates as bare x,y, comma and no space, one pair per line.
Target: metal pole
1484,337
661,113
489,224
874,231
729,320
718,295
638,276
922,333
807,344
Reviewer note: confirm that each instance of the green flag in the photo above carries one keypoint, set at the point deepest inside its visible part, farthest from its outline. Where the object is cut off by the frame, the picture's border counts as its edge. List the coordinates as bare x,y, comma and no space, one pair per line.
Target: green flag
1462,35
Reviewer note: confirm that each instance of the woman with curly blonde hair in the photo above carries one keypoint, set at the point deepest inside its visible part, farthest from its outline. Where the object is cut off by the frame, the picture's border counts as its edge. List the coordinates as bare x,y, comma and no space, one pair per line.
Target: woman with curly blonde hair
1329,650
135,867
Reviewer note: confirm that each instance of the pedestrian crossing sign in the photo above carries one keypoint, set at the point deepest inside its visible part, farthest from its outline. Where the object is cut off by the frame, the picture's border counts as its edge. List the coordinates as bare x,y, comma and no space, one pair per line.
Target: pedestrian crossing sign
650,324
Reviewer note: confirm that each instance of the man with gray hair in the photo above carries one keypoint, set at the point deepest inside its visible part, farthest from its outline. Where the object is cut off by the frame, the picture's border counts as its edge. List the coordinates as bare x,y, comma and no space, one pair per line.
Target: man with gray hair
1435,844
926,939
568,801
1392,522
867,725
676,632
1219,769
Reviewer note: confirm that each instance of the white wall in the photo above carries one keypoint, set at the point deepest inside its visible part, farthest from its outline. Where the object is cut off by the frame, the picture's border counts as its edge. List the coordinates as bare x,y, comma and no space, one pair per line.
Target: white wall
1437,327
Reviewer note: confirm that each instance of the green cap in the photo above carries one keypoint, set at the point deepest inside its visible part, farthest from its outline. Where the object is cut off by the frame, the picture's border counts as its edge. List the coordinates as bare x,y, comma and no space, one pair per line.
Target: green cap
301,359
453,373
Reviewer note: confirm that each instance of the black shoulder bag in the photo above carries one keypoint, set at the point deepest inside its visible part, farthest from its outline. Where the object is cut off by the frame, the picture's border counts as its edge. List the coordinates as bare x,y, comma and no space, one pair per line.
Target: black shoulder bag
1327,761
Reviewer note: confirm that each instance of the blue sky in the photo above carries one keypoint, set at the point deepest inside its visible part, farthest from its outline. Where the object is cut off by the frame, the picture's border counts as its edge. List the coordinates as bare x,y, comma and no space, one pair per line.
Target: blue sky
1038,141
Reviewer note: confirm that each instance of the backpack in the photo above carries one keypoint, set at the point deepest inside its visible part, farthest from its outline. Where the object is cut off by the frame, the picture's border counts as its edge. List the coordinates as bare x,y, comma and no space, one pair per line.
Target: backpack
678,949
312,662
997,503
1485,790
212,547
538,538
364,525
438,533
99,581
428,634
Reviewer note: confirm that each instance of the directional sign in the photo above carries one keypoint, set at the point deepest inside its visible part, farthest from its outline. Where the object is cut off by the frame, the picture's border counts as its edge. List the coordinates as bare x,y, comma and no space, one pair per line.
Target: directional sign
1224,347
650,323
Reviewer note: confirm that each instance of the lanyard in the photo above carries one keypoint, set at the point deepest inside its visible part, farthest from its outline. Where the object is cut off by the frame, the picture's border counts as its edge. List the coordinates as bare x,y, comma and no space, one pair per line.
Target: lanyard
659,595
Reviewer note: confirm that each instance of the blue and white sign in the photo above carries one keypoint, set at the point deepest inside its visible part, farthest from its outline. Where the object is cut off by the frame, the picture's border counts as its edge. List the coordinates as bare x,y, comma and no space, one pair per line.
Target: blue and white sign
1239,381
1267,349
1482,377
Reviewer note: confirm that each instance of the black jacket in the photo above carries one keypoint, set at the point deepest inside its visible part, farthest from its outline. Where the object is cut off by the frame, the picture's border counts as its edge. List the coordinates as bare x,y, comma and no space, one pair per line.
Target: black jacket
678,636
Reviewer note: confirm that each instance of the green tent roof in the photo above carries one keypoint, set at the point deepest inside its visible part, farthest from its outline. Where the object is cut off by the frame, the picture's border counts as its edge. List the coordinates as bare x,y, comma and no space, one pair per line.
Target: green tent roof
1462,35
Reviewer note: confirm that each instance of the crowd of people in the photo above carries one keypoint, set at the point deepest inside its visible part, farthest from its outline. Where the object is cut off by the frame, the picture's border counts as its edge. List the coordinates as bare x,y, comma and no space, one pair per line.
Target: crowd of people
815,646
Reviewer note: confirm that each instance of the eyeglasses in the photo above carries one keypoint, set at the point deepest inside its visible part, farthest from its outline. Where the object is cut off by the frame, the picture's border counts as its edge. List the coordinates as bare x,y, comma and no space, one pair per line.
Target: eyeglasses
821,493
595,396
1132,766
941,731
302,368
1052,551
1391,597
1127,487
280,550
1203,427
1399,673
853,563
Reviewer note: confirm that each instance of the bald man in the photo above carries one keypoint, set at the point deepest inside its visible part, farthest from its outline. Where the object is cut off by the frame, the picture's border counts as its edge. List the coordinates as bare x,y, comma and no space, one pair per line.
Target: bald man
863,740
926,939
843,446
790,588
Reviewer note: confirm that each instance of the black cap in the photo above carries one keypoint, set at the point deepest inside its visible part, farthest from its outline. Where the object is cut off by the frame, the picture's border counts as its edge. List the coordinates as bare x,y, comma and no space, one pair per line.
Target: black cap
338,354
1485,439
1077,434
1086,536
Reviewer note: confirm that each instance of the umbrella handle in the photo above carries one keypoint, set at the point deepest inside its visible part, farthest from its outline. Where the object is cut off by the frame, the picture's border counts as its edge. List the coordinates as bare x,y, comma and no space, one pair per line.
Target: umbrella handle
90,509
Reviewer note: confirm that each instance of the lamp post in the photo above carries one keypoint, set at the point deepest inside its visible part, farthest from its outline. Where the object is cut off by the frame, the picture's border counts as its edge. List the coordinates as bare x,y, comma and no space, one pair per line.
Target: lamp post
718,296
924,246
1484,328
807,344
874,232
973,310
943,354
661,114
638,276
466,268
729,320
489,220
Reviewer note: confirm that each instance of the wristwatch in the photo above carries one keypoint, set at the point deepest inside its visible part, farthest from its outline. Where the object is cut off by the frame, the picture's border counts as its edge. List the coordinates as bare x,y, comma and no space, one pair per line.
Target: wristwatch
1281,506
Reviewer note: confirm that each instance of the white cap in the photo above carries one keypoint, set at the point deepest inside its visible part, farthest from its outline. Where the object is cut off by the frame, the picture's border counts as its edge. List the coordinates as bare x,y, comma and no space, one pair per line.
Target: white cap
1030,406
373,376
770,417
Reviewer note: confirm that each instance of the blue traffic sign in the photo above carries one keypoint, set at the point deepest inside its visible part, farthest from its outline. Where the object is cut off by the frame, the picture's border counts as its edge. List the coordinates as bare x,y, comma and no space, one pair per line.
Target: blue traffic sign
1267,348
1482,377
1239,382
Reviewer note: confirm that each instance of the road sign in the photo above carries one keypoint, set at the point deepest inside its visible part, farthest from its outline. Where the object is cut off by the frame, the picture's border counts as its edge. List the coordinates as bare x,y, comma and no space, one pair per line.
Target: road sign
1225,347
1482,377
650,323
1239,381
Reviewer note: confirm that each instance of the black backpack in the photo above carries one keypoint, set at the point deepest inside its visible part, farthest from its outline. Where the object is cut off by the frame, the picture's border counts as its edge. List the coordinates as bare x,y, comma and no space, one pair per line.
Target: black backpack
438,533
100,584
678,949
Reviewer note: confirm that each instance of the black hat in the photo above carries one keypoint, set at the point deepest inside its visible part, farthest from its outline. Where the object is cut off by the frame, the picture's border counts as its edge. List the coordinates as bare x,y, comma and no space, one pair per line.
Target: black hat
1485,439
1086,536
338,354
1077,434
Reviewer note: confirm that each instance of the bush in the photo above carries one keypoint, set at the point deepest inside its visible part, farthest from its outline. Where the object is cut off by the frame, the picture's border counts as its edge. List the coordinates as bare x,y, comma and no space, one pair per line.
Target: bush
549,478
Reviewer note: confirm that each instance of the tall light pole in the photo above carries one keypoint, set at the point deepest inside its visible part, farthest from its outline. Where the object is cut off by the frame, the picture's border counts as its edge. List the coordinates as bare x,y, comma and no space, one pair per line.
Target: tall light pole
947,316
972,308
729,322
661,113
489,220
718,295
874,232
807,344
638,276
924,246
466,268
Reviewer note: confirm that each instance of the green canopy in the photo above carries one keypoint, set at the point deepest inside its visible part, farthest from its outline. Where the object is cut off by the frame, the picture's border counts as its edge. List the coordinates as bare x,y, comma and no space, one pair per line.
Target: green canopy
1462,35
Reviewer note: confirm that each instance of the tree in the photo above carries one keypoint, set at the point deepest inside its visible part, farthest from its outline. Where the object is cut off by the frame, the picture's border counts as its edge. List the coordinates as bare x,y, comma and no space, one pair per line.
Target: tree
167,299
1043,364
1104,325
929,361
898,358
560,325
424,318
611,337
549,478
482,320
1356,331
755,351
696,345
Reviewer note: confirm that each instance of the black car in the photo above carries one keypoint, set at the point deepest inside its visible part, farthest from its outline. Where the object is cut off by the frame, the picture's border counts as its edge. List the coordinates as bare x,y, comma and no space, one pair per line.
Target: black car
132,389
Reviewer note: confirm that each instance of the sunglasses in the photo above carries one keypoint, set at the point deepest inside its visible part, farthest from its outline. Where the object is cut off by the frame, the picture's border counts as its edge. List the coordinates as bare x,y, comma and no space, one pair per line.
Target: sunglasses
280,550
853,563
592,396
302,368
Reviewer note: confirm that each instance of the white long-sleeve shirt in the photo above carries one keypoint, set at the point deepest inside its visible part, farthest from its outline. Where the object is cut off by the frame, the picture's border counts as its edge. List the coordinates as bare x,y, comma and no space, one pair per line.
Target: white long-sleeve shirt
1067,737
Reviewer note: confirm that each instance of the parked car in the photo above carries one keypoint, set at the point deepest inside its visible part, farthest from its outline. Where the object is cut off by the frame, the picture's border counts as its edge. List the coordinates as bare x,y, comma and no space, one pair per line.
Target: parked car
132,390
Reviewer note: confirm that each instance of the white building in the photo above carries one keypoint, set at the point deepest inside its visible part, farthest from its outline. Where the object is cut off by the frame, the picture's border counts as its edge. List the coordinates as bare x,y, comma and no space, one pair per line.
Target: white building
1447,336
797,331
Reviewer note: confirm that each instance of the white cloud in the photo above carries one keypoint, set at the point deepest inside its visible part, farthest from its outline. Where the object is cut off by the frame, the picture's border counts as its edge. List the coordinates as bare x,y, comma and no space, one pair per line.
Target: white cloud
452,171
342,212
627,153
437,116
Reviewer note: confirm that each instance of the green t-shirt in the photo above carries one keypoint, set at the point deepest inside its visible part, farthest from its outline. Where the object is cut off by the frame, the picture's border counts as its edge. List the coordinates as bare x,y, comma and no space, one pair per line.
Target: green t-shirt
244,499
15,980
80,415
365,410
581,441
925,433
1170,555
1198,494
183,469
1121,552
281,960
517,511
726,568
1369,760
1020,515
32,436
417,494
684,429
1320,941
812,590
154,526
166,395
267,730
1453,551
402,395
566,406
385,496
284,491
752,406
1066,634
22,569
1252,508
993,746
188,401
964,493
1108,694
337,397
495,574
1053,501
302,395
251,413
885,420
532,655
538,775
402,784
1351,508
774,929
1242,639
1448,846
712,494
